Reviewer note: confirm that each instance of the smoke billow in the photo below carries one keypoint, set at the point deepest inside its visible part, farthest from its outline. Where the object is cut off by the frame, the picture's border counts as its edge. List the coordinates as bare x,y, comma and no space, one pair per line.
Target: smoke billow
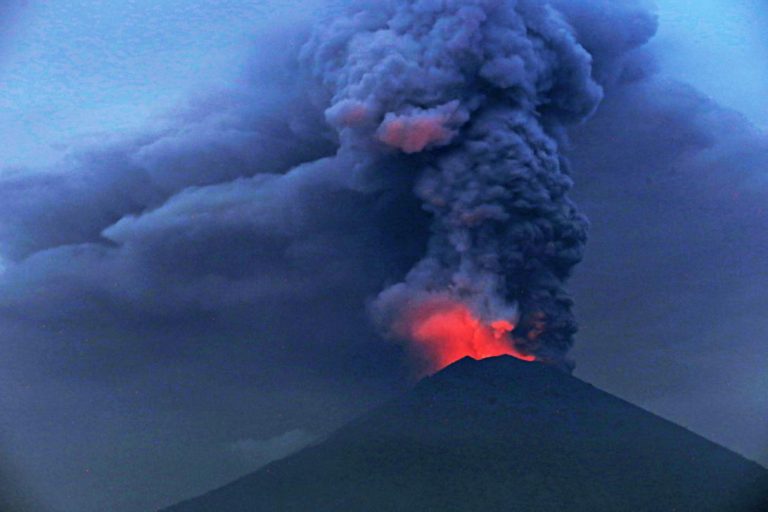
403,142
406,154
476,94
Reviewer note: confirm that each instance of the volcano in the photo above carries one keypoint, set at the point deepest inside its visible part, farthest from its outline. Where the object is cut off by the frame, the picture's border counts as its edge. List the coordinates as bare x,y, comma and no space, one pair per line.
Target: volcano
501,434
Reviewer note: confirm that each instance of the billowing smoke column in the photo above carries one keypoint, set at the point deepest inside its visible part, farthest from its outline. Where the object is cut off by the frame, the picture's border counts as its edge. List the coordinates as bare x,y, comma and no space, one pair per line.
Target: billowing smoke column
473,96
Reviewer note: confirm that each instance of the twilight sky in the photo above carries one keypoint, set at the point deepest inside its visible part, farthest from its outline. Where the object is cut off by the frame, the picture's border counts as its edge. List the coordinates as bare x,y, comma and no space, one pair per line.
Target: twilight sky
156,364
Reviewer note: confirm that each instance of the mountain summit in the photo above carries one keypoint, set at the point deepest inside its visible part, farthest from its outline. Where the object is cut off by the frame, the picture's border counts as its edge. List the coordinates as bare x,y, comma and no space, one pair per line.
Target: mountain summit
502,435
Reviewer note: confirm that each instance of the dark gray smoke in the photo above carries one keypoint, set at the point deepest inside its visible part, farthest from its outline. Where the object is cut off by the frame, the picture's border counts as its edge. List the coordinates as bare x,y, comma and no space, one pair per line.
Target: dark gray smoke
299,184
477,93
209,276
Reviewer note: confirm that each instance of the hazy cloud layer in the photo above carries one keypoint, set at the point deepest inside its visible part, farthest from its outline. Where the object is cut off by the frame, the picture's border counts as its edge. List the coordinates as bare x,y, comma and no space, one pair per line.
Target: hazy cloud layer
669,295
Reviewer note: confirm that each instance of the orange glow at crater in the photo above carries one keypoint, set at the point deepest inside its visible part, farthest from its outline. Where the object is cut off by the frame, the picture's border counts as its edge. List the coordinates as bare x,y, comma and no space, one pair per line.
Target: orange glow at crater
443,332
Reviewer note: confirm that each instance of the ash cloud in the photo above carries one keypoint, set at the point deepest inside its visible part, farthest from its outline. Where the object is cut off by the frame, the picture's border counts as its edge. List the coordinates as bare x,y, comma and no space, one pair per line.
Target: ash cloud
669,286
434,127
238,242
479,91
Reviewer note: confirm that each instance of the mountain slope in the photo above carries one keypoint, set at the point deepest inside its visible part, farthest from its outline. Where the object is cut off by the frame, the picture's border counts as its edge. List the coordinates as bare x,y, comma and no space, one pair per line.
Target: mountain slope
502,435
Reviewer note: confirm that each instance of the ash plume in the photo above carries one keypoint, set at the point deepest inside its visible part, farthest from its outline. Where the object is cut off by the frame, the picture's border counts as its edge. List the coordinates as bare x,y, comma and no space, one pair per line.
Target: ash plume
396,142
476,95
230,250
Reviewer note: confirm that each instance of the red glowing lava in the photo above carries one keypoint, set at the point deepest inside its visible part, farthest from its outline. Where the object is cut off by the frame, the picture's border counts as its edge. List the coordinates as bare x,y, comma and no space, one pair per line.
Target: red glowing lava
414,134
444,331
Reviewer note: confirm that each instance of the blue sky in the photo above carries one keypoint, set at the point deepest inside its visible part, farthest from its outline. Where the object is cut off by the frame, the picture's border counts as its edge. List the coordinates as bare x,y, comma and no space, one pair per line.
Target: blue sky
721,47
73,71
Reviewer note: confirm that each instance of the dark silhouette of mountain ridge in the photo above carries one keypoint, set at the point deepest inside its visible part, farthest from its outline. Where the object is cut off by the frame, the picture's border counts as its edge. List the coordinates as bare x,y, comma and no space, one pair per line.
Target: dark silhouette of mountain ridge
501,435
